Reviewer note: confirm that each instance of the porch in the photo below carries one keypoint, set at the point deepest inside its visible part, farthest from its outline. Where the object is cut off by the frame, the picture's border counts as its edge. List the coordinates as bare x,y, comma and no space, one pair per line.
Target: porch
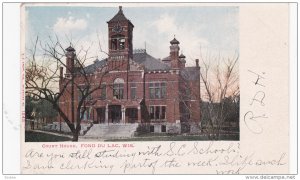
116,114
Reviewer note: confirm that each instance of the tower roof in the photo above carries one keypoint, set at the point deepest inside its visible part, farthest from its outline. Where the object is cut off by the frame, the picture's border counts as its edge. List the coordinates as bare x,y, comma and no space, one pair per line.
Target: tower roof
182,56
70,49
119,17
174,41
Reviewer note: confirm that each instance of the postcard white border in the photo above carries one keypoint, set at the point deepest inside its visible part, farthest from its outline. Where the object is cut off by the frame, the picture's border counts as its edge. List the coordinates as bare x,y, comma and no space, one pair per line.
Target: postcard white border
10,106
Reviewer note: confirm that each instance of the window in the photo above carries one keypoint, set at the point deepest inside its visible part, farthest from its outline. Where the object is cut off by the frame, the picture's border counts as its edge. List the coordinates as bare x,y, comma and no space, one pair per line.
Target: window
163,112
87,113
188,93
163,128
157,90
152,91
151,112
133,91
132,114
114,44
118,42
157,112
122,43
103,91
118,88
151,128
163,90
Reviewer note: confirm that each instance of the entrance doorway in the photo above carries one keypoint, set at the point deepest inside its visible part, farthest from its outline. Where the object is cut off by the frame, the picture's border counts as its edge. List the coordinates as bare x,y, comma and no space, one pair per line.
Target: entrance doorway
100,115
132,114
115,113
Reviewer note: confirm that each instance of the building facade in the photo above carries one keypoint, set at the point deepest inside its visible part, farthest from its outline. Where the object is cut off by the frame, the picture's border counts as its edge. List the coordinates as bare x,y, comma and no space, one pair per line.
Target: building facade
162,95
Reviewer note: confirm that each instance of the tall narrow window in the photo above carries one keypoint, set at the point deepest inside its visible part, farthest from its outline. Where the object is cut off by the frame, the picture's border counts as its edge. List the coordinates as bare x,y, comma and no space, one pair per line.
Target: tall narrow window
122,43
118,88
157,112
163,90
151,112
163,128
86,114
114,44
152,90
163,112
133,91
103,91
157,91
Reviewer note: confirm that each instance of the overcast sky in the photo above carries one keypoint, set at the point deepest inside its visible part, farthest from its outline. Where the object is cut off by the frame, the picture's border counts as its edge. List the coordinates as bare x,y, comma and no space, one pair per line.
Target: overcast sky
214,29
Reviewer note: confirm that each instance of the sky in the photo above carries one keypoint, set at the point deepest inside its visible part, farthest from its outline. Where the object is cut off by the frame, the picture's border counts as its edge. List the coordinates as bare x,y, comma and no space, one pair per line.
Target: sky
213,29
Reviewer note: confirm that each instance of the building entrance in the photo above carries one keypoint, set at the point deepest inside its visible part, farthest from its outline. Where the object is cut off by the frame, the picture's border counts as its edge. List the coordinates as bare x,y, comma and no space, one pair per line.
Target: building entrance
100,115
115,113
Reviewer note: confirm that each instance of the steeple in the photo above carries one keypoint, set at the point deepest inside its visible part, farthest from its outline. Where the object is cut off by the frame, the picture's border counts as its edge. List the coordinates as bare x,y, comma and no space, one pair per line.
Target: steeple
119,17
120,41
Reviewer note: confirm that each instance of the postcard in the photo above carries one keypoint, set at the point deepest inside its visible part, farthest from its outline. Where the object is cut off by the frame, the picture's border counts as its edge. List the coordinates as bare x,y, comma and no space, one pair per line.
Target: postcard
155,88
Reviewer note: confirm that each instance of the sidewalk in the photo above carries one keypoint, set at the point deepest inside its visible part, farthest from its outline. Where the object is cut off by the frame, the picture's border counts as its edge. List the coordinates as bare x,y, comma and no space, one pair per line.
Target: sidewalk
53,133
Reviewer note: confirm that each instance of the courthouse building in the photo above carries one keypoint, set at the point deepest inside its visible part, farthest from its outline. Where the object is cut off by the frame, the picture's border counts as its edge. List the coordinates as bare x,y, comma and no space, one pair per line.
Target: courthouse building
156,95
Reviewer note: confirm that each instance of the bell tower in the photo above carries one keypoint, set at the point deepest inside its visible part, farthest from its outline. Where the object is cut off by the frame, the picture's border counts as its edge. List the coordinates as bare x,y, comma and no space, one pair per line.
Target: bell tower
119,42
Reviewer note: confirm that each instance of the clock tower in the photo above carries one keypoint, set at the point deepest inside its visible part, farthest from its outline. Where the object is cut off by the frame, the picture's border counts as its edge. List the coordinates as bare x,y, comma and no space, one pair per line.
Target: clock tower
120,42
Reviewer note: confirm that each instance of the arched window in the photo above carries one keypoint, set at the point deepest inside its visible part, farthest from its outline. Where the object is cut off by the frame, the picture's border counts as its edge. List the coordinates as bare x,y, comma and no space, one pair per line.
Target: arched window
118,42
118,88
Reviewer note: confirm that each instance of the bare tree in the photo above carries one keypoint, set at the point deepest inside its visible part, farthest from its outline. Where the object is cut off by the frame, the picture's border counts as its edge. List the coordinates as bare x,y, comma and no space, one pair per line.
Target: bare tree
44,79
220,81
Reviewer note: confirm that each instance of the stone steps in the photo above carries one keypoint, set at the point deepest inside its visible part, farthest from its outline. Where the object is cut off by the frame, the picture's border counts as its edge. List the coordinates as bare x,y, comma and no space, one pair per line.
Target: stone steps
112,130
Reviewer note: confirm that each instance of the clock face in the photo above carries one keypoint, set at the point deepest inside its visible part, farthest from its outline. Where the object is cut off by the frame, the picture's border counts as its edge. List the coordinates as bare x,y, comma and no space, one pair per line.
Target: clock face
117,28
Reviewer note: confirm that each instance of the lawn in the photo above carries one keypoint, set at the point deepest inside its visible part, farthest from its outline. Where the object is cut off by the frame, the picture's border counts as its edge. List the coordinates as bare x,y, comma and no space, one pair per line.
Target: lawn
31,136
152,137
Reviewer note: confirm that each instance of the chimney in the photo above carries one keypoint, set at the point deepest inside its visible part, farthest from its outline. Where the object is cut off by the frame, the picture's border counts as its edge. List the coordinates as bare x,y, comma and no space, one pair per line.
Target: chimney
197,62
174,53
70,54
182,60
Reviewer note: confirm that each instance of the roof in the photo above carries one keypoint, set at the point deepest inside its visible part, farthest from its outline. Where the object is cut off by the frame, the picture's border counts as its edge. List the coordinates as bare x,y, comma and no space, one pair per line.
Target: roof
174,41
149,62
182,56
168,58
70,49
119,17
142,58
93,67
191,73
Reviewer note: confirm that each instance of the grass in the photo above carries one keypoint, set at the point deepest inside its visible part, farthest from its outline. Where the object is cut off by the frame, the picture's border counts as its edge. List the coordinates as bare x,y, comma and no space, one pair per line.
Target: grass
31,136
177,138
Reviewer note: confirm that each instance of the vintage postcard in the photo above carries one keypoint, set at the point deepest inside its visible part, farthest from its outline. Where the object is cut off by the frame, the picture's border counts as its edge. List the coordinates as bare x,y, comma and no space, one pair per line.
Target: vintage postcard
155,88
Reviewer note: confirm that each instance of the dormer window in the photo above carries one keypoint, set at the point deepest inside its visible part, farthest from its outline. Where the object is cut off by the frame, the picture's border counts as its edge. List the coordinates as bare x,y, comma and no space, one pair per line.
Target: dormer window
118,42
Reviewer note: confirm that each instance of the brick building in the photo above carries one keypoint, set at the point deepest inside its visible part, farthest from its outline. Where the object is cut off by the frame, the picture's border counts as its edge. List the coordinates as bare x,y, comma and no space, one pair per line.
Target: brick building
137,88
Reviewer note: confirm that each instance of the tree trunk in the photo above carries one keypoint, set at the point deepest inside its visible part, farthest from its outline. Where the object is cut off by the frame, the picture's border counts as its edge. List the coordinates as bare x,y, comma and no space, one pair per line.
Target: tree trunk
75,136
76,133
